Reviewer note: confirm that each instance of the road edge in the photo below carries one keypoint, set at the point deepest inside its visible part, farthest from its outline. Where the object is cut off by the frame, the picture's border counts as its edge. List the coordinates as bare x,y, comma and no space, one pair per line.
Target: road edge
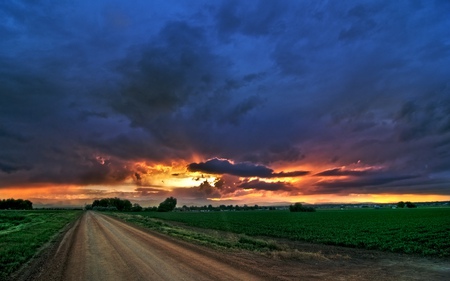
34,267
230,258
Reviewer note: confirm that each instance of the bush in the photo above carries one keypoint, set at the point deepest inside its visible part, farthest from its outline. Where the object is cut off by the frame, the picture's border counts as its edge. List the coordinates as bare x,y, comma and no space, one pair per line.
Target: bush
401,204
136,208
298,207
410,205
167,205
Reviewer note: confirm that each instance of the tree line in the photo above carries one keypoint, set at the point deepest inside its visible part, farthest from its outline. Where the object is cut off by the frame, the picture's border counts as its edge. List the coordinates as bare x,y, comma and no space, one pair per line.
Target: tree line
124,205
15,204
406,204
297,207
169,204
211,208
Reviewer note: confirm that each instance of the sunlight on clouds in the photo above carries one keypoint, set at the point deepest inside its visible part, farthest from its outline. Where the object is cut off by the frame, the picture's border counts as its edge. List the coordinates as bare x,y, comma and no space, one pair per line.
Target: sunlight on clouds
187,181
154,181
170,176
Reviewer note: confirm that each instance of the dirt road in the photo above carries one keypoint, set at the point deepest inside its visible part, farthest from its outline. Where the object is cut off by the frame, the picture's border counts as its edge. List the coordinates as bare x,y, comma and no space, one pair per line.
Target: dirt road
98,247
102,248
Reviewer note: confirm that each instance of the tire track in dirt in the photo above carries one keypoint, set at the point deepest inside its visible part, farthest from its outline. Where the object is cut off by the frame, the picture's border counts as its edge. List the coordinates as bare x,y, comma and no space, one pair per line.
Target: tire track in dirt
102,248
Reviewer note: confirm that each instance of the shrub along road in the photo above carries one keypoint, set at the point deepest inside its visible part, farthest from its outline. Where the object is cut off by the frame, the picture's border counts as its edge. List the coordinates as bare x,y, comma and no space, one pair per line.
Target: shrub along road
99,247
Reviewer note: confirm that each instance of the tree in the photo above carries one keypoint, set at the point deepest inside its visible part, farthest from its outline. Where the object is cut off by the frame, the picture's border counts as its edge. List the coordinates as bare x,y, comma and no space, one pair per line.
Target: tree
112,204
136,208
401,204
410,205
167,205
151,209
298,207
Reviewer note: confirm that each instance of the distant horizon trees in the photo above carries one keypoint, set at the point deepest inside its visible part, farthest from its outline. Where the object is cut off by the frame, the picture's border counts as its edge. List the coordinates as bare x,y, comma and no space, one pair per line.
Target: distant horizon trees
110,204
406,204
298,207
211,208
15,204
124,205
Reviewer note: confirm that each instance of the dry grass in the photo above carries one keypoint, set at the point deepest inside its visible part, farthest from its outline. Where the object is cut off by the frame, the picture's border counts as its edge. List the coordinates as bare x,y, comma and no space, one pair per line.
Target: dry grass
297,255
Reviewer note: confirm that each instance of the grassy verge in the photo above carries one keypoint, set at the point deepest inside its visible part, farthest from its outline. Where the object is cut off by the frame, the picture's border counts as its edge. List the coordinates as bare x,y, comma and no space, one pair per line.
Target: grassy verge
220,239
214,239
22,233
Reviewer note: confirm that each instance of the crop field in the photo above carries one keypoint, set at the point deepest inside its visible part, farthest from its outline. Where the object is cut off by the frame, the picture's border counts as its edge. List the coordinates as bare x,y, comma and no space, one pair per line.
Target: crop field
22,233
422,231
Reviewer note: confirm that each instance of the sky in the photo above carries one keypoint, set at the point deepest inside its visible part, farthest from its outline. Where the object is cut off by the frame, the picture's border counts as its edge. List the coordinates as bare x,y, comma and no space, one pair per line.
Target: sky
225,102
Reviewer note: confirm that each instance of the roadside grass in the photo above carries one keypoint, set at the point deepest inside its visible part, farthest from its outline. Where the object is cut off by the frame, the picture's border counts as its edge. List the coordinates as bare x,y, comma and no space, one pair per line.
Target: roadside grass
220,239
23,233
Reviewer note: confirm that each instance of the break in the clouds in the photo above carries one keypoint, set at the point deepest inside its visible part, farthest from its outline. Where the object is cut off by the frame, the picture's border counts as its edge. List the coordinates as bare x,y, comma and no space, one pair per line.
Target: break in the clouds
224,166
91,93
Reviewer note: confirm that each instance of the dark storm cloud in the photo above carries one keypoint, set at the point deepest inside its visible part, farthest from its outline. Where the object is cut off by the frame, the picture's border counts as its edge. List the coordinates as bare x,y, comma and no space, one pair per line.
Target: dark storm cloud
276,152
406,184
312,83
15,136
252,18
269,186
223,166
370,181
341,172
11,168
417,120
81,171
164,75
361,23
176,86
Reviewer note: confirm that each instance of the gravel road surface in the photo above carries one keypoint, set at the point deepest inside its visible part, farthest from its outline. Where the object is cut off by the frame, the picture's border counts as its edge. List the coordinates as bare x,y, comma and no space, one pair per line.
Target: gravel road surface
101,248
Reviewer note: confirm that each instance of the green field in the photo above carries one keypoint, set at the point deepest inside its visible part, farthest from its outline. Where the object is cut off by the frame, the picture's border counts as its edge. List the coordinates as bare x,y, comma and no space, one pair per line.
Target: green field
422,231
22,233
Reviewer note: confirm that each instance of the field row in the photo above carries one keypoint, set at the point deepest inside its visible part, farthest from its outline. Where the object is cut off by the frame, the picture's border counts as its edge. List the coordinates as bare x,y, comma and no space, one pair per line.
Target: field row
411,231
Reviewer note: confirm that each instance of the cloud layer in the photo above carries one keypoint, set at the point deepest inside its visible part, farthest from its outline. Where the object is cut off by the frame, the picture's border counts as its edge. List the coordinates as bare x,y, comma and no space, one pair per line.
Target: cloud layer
87,91
223,166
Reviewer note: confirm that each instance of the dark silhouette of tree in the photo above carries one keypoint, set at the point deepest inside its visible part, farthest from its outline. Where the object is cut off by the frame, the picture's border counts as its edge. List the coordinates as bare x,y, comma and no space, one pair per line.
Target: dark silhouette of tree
401,204
210,208
410,205
167,205
136,208
15,204
298,207
111,203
